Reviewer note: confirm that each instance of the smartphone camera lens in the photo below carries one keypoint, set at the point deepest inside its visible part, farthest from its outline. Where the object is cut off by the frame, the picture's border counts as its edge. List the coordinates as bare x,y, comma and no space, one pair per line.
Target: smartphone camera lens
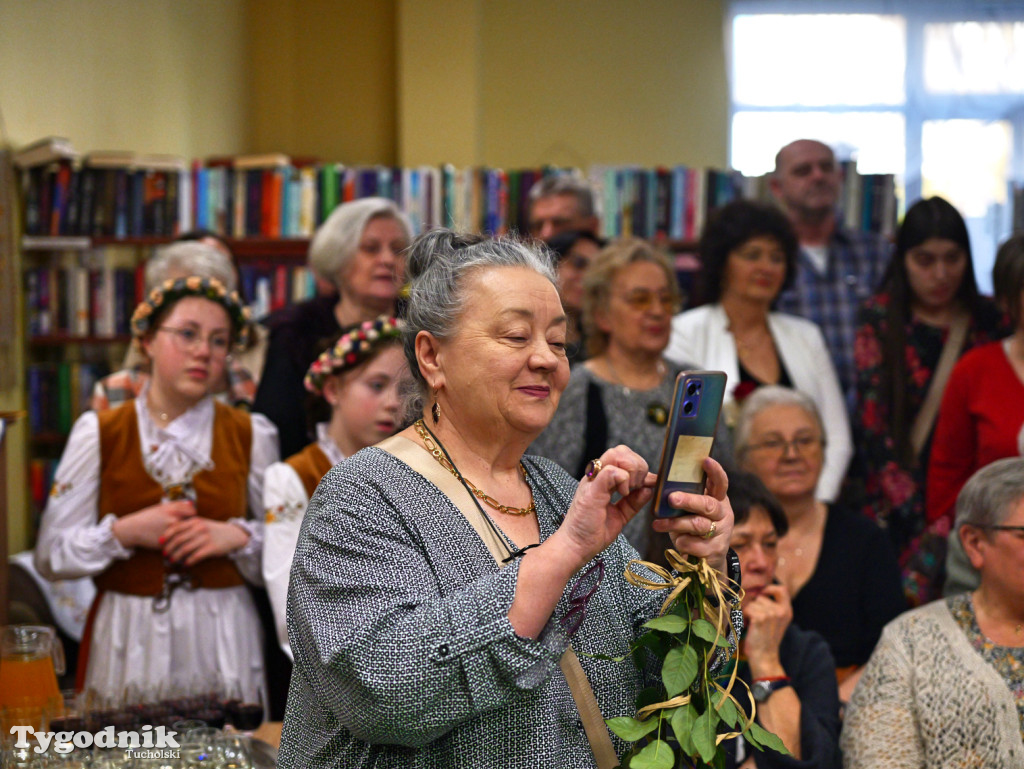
691,388
687,408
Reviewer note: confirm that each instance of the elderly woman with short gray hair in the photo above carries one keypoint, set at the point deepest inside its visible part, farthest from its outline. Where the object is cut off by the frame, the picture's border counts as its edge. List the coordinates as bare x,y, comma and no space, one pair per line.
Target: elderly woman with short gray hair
838,566
360,251
944,686
440,575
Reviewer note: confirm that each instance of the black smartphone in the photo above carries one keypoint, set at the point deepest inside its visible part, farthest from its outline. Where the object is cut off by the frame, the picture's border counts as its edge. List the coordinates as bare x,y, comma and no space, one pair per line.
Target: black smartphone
689,435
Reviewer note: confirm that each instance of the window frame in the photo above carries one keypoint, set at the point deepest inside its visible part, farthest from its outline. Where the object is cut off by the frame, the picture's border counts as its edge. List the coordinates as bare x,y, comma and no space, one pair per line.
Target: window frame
919,106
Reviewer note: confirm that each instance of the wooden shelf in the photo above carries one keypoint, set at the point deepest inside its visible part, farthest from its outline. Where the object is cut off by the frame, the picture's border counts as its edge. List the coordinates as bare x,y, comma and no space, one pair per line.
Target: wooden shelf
61,340
290,250
48,439
32,243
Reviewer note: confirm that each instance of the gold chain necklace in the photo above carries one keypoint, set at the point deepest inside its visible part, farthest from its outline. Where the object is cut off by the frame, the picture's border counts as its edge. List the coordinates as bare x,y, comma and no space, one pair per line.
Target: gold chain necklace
437,454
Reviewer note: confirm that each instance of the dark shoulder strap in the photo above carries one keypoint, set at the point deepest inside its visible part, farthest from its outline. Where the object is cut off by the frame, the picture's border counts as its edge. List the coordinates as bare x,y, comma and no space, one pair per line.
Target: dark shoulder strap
595,428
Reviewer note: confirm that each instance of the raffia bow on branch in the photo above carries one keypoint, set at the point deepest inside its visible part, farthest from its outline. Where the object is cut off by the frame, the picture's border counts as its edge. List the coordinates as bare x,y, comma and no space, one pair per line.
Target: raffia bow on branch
694,616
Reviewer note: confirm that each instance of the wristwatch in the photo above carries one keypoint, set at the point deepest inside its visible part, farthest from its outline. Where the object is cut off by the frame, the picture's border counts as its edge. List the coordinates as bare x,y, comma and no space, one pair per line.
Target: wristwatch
762,688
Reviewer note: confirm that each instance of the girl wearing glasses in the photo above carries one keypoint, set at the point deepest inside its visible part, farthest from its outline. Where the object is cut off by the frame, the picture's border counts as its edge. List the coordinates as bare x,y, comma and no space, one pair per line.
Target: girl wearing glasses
152,499
623,392
837,566
748,251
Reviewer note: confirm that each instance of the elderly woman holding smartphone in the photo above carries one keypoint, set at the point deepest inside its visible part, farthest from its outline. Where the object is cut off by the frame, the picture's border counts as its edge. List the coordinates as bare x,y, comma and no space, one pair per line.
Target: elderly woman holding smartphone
440,576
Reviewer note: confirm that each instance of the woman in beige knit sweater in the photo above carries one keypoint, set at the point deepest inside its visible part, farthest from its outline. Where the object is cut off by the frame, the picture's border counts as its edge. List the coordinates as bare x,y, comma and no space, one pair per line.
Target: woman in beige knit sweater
944,686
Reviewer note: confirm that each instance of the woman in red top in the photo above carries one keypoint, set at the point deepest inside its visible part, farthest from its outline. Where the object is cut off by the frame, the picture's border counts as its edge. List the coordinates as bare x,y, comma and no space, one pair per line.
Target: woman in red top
982,414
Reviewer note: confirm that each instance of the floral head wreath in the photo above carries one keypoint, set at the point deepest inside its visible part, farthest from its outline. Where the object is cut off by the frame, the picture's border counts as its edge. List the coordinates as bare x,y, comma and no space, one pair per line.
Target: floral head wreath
352,348
172,290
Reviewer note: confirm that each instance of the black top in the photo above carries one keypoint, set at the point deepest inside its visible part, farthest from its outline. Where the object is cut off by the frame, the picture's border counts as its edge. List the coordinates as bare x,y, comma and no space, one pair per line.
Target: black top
746,376
809,665
297,335
855,588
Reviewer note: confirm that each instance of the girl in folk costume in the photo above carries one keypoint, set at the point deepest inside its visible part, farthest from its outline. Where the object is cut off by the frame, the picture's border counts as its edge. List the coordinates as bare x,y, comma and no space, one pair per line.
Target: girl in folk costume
151,499
356,385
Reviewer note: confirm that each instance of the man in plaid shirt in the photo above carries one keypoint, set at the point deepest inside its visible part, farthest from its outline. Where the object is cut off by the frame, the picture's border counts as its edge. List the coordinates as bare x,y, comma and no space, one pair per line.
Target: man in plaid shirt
837,268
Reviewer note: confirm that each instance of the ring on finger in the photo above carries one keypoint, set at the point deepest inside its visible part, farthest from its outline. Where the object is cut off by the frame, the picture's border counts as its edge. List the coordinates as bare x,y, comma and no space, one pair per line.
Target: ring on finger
593,468
711,530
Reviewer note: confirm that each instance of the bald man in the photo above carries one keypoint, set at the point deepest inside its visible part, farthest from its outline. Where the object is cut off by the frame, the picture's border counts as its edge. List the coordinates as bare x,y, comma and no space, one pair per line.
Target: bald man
837,268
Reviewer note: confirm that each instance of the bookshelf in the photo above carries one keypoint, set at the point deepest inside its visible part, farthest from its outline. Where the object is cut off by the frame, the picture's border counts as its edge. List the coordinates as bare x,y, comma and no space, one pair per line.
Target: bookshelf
91,221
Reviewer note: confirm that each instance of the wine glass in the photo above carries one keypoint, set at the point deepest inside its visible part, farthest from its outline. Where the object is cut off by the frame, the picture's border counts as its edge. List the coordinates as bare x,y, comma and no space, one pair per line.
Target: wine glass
244,709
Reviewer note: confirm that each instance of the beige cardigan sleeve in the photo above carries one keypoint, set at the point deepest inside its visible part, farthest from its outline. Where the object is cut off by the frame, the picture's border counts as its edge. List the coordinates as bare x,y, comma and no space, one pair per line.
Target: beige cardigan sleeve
880,729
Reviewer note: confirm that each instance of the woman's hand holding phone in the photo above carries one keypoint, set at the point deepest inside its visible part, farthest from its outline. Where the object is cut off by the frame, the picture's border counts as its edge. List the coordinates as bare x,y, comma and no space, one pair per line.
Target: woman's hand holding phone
698,515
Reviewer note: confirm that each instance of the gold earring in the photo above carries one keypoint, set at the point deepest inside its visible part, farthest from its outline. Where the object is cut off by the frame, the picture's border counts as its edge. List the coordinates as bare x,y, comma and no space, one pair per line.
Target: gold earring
435,410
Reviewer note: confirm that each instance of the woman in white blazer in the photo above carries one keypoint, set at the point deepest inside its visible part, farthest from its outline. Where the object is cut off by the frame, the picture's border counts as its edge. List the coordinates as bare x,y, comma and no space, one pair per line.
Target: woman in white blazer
749,255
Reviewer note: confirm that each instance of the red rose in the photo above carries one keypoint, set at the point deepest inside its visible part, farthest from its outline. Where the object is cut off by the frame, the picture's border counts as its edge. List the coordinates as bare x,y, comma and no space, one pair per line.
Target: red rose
867,353
742,390
869,415
897,485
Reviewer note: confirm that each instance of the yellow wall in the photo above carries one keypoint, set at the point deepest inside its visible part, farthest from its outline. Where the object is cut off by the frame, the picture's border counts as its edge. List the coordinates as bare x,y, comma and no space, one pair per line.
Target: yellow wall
322,78
162,76
573,82
153,76
439,88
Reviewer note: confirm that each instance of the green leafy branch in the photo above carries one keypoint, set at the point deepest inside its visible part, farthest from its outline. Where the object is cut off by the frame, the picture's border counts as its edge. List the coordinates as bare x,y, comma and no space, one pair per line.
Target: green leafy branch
683,722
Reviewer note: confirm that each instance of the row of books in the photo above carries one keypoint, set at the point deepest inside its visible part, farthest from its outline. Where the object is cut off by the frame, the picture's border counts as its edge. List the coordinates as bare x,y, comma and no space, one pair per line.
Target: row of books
271,287
662,203
79,301
58,393
62,199
276,196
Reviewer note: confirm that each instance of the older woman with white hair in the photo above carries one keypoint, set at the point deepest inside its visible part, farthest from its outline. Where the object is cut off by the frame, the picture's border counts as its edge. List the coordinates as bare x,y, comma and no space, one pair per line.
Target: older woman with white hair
440,575
943,687
838,566
359,249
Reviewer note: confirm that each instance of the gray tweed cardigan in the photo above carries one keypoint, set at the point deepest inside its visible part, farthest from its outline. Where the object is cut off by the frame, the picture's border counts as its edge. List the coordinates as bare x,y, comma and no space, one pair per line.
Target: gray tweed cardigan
404,655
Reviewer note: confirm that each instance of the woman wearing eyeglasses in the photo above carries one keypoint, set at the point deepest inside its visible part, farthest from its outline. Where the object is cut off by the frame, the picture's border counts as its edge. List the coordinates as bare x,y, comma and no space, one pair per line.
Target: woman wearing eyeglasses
623,392
838,567
749,253
440,576
944,686
155,499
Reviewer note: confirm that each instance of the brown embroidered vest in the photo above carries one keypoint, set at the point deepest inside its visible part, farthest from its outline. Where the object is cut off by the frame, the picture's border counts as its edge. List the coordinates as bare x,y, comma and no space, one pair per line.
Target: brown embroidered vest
126,487
311,464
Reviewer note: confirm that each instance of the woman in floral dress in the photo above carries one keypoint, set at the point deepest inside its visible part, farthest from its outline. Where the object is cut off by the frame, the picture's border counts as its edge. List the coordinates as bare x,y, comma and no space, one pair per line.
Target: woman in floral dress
928,290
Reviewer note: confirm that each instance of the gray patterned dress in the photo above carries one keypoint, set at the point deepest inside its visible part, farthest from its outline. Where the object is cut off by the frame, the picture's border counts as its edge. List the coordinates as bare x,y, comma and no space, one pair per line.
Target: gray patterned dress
404,654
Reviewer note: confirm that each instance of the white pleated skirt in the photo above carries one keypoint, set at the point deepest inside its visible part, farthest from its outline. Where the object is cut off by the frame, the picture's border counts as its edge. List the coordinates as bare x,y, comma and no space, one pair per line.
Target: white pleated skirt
205,636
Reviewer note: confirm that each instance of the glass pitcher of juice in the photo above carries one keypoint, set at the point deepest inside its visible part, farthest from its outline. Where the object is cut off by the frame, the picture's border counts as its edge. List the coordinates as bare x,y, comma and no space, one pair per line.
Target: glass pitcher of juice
31,657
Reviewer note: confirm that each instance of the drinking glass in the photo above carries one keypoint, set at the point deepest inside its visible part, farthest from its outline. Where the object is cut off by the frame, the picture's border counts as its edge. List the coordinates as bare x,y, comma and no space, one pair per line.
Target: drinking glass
244,713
